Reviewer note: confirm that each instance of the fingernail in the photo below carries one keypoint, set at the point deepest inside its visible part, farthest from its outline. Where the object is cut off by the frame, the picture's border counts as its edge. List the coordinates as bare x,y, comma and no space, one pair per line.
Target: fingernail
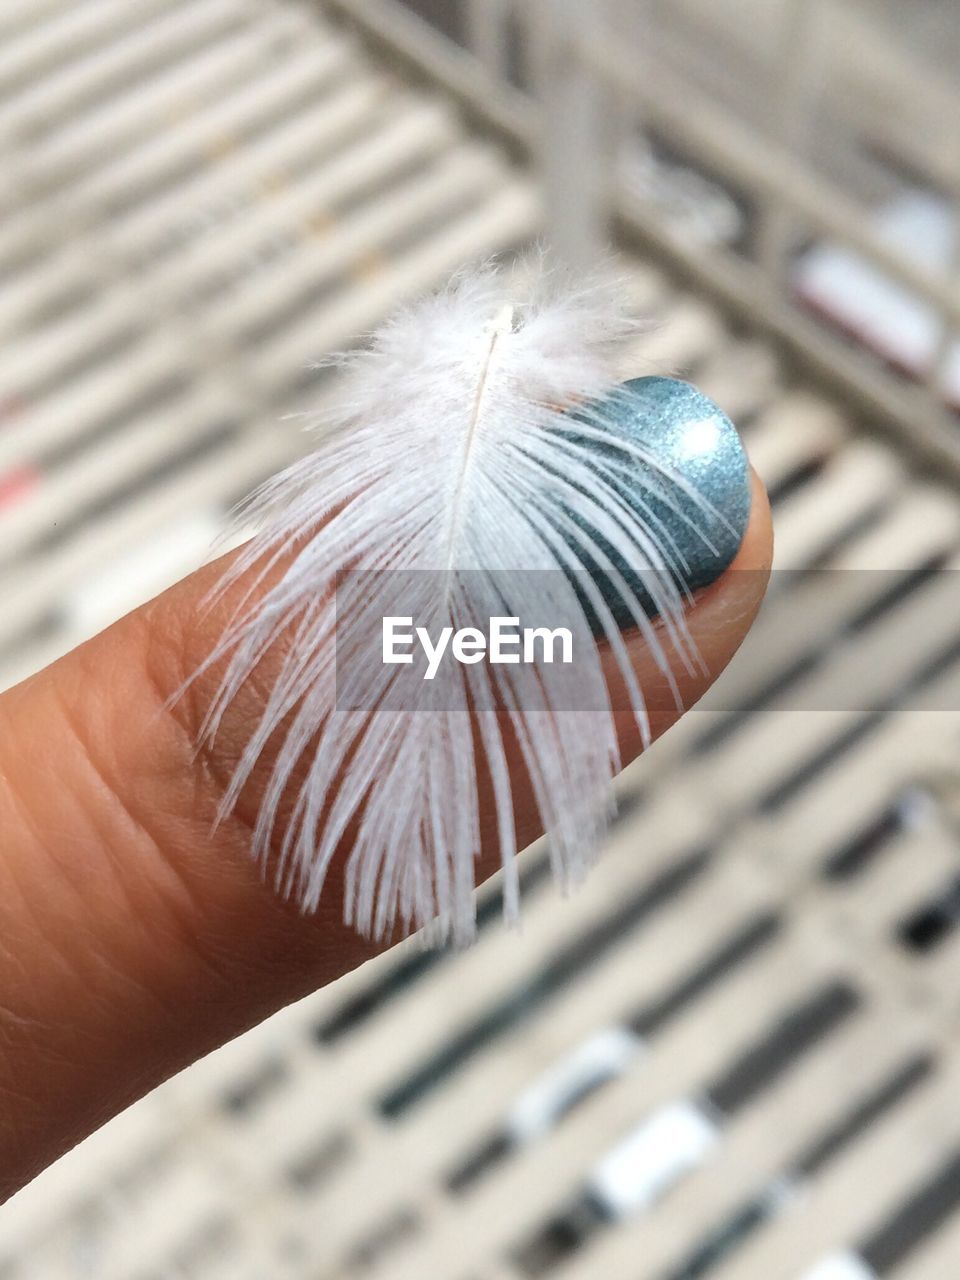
700,452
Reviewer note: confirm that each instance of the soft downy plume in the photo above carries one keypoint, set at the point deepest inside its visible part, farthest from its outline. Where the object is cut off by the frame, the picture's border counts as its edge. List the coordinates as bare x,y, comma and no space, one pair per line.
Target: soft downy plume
449,449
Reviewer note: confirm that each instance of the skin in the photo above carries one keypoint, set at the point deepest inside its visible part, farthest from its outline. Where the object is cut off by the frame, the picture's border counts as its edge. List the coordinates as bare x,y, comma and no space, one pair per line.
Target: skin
134,939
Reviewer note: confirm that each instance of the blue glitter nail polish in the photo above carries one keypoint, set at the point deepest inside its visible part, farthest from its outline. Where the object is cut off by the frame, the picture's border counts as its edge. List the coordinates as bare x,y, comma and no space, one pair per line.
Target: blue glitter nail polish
696,441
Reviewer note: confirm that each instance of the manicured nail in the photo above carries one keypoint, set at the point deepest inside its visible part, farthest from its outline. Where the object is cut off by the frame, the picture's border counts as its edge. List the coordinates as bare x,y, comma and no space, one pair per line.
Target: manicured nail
702,458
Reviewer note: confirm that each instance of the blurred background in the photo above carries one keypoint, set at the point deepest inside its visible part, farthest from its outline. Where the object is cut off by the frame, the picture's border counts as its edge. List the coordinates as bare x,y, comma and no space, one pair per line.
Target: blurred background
734,1054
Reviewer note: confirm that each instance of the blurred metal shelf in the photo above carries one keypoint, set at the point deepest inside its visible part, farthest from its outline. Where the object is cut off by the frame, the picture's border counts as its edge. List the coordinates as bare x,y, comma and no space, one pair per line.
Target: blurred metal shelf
207,196
812,80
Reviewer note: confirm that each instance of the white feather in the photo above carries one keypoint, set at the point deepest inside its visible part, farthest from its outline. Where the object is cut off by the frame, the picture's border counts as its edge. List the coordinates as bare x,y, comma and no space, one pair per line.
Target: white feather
444,453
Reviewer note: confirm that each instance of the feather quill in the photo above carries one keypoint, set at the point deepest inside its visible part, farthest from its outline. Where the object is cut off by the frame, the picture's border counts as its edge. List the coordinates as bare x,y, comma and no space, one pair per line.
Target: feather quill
448,450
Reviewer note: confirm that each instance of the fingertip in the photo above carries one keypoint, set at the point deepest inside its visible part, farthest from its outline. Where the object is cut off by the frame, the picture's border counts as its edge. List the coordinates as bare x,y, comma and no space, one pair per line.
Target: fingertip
675,677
